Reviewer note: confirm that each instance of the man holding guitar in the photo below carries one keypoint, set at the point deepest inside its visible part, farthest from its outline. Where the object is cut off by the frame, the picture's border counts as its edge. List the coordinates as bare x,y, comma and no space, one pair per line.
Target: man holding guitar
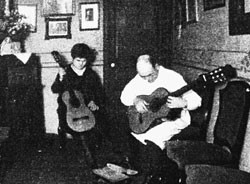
151,76
80,97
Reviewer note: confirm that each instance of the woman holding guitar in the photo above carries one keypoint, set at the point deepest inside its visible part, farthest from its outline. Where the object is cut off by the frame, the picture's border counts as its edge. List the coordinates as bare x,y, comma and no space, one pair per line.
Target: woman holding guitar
80,97
147,158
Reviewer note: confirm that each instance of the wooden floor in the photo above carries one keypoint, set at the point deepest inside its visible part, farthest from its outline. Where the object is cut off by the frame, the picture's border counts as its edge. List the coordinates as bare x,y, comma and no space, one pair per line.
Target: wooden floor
29,163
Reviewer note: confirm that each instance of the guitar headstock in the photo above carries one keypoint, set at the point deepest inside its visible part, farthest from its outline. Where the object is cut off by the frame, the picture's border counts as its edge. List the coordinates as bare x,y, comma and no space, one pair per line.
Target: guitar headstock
219,75
58,58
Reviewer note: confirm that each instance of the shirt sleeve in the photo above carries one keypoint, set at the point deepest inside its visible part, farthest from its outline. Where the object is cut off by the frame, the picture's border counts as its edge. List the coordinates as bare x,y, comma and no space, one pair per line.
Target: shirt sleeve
128,95
193,100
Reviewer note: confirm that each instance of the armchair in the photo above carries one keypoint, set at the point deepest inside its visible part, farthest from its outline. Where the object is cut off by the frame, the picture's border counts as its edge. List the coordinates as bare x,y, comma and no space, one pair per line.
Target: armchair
208,174
225,132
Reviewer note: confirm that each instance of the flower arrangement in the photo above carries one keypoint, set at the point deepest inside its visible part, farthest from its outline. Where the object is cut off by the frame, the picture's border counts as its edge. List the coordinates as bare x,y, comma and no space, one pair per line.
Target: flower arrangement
13,26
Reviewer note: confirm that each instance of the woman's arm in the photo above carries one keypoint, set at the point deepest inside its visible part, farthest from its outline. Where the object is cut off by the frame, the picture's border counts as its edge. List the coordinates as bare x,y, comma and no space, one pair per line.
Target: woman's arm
57,86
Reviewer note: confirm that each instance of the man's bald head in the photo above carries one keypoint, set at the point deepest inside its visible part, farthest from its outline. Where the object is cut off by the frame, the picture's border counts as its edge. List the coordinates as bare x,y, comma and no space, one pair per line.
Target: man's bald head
143,65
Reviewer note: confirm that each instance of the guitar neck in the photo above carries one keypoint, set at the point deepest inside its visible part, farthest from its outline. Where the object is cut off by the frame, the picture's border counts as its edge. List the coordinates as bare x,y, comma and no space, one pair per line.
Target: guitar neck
156,103
216,76
73,99
182,90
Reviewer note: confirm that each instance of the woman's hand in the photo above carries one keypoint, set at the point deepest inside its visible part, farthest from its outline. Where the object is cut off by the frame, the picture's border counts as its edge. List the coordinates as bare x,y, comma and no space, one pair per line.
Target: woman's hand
176,102
61,73
140,105
92,106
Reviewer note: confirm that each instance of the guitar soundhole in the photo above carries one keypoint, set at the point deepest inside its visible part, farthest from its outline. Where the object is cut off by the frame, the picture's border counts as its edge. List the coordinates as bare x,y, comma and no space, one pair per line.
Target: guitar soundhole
140,118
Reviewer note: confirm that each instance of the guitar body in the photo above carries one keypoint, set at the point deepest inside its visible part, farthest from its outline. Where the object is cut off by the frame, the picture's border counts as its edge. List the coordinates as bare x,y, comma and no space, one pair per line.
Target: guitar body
159,93
79,119
141,122
157,108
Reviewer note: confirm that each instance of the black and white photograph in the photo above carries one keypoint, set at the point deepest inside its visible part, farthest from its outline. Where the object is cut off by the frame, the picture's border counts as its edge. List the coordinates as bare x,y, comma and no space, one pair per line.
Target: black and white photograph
124,91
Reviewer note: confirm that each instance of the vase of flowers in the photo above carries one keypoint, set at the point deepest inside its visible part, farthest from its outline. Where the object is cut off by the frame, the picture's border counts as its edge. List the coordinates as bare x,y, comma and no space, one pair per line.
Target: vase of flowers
14,29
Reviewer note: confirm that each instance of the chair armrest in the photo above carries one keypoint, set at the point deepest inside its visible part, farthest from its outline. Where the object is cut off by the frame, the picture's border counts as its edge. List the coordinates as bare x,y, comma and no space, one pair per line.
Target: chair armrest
197,152
188,133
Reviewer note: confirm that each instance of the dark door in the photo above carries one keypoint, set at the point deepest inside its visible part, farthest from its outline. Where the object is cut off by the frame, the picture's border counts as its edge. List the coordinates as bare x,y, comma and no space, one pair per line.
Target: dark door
130,27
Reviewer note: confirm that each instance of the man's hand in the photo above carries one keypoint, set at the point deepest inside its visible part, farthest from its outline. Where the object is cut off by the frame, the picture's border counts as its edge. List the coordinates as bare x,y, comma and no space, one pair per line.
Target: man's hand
92,106
176,102
140,105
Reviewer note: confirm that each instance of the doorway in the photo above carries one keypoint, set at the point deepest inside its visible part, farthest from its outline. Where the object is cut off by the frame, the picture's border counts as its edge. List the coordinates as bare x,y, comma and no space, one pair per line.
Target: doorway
130,28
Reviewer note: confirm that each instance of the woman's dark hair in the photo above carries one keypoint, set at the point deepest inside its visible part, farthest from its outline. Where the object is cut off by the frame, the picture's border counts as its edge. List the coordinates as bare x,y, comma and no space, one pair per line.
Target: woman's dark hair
82,50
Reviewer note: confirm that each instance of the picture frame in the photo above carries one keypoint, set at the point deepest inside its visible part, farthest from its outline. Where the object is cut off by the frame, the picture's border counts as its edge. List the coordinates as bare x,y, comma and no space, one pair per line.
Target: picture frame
239,17
212,4
179,12
30,13
191,7
58,7
89,16
58,28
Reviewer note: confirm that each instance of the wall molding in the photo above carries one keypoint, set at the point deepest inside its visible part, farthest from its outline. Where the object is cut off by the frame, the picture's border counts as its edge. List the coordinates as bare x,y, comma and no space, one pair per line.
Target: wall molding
47,60
207,59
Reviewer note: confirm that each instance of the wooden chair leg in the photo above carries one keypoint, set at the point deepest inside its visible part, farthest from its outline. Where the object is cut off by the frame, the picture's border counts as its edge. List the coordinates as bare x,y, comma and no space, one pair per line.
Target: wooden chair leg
88,155
62,138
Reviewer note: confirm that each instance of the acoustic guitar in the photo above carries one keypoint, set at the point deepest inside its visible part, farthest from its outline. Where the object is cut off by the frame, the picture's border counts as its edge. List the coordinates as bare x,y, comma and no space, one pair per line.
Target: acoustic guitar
79,117
157,108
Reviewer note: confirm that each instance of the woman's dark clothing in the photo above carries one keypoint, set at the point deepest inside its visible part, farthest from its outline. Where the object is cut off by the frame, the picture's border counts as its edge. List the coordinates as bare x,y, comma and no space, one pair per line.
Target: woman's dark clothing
89,85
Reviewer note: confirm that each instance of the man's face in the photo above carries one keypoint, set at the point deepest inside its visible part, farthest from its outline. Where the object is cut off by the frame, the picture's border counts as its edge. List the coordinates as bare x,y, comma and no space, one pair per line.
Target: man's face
79,63
146,70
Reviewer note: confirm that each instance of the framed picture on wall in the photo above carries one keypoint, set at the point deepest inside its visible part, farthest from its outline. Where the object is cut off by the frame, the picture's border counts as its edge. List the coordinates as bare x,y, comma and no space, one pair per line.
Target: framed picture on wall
58,28
239,17
89,16
30,13
58,7
211,4
191,11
